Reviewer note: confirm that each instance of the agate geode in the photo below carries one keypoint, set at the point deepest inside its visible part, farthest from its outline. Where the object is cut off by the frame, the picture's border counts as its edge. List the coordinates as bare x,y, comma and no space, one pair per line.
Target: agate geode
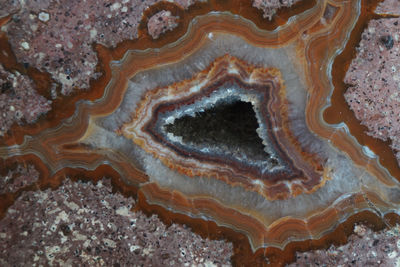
225,125
273,164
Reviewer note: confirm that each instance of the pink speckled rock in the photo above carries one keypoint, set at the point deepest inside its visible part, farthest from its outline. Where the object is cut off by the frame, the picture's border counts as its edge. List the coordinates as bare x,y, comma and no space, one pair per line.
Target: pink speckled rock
19,101
364,248
57,36
8,7
161,22
82,224
18,178
374,79
390,7
269,7
187,3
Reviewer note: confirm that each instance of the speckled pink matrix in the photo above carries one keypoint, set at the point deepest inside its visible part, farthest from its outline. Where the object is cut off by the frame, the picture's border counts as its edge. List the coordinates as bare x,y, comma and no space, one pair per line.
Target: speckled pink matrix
364,248
390,7
85,223
161,22
58,36
269,7
374,79
19,101
18,178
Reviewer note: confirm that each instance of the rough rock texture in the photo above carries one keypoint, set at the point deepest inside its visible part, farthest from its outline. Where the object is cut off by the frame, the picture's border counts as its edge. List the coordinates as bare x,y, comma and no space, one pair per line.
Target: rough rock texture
374,76
365,248
18,178
19,101
186,3
269,7
391,7
8,7
81,223
161,22
57,36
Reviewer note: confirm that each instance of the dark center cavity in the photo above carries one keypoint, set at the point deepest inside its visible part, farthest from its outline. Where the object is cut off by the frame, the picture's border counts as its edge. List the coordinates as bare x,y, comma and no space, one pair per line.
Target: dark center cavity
228,126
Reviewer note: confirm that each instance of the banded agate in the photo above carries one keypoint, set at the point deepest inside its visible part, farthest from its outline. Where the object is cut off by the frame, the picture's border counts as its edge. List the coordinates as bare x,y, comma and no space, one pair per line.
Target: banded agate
222,60
278,169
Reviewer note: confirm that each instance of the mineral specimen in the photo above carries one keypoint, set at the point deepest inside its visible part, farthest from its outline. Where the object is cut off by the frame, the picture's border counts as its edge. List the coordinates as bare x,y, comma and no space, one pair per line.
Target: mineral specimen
221,124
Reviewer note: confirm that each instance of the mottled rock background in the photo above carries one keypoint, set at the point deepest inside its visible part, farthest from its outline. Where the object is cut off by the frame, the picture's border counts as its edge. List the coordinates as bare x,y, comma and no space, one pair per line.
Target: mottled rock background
85,223
269,7
390,7
19,100
161,22
18,178
364,248
374,79
57,36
